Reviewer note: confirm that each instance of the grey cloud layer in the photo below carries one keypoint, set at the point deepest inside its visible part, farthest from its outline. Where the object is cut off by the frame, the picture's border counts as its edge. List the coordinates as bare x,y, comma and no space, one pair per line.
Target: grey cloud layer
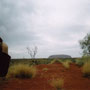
55,26
13,26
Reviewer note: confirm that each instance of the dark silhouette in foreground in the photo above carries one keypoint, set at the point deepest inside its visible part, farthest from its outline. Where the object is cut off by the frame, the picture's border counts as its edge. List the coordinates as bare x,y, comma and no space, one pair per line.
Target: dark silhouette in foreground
4,59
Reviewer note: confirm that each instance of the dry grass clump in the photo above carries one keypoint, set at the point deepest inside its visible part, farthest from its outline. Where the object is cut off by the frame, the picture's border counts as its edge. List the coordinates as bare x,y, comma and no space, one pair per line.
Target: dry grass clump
45,69
55,61
66,64
57,83
21,71
86,69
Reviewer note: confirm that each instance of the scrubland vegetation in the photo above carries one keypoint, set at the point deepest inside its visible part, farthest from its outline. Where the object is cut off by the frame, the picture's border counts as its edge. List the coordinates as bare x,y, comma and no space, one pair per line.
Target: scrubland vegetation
21,71
25,69
55,61
86,69
57,83
54,71
79,62
66,64
45,69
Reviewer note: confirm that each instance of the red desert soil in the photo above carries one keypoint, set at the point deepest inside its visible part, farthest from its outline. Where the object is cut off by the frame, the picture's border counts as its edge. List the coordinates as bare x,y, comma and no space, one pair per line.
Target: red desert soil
73,79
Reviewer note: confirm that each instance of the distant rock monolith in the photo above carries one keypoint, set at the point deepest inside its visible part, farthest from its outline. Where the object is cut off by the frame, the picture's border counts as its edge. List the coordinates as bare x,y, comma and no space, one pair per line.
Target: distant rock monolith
59,56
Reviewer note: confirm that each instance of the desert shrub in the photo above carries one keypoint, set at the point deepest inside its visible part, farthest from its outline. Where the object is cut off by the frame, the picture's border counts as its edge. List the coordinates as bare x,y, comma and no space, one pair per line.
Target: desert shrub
30,61
86,69
86,58
21,71
66,64
79,62
57,83
55,61
42,61
45,69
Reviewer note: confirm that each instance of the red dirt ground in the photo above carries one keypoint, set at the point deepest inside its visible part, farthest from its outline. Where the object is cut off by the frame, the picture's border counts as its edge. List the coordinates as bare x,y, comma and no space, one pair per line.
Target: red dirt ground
73,79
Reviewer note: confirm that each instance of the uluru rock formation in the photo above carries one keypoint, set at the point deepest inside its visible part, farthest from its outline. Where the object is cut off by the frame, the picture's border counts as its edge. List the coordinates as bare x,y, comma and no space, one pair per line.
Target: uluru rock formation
59,56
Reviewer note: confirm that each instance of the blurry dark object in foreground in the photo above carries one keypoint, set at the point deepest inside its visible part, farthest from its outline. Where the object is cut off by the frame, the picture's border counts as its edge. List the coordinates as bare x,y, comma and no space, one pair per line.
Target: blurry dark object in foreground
4,59
4,64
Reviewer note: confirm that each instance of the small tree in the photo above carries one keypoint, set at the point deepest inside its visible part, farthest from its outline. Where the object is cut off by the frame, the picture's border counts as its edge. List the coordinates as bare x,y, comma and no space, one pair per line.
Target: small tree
85,45
32,51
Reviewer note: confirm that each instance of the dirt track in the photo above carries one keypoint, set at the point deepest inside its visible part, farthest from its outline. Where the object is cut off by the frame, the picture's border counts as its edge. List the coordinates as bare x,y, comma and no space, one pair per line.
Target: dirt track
73,79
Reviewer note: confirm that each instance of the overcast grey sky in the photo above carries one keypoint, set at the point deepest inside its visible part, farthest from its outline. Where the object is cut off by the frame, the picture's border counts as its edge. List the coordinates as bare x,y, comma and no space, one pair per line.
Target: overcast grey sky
54,26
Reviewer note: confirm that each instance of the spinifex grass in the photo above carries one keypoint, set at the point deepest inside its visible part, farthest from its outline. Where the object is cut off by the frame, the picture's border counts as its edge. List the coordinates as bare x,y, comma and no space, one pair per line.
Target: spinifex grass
57,83
21,71
86,69
55,61
66,64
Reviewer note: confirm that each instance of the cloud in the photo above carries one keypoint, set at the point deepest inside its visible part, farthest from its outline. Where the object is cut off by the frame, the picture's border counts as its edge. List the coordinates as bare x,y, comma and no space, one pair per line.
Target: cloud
55,26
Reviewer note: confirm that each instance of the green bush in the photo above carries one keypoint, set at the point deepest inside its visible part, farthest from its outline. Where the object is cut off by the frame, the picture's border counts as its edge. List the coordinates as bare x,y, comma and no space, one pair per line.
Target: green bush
79,62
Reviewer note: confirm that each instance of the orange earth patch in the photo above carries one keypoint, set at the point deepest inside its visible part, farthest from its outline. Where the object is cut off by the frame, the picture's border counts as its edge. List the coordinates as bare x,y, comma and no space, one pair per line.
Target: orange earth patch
73,79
